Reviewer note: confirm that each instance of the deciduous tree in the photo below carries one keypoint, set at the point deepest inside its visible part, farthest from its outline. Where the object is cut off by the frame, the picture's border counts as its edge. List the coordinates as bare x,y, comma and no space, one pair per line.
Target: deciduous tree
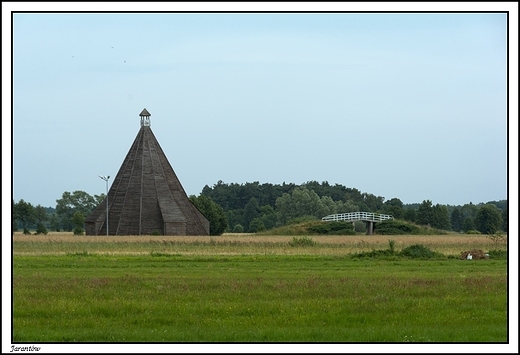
425,213
24,213
394,207
251,211
488,219
40,215
456,220
216,216
303,202
78,219
440,217
77,201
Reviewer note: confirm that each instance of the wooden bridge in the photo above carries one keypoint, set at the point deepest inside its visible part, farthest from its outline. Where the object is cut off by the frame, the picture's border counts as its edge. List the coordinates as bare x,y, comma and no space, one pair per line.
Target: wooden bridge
368,217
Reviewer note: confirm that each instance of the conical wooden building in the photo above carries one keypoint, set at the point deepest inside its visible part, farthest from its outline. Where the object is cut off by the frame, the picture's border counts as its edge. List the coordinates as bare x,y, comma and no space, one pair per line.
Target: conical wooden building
146,197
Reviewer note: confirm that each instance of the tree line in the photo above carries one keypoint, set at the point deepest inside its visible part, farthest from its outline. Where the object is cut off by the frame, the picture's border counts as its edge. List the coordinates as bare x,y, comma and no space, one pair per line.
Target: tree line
68,215
254,207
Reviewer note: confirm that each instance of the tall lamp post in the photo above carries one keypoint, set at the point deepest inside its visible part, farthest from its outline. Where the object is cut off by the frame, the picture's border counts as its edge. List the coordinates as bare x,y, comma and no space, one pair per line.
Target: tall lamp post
106,180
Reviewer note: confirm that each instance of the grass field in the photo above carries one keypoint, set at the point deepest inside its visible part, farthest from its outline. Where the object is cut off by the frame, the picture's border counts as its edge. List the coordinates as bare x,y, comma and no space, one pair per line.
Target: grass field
247,288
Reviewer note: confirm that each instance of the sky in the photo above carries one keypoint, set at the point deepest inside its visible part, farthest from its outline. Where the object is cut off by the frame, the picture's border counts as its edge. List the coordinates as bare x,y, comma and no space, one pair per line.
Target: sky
400,105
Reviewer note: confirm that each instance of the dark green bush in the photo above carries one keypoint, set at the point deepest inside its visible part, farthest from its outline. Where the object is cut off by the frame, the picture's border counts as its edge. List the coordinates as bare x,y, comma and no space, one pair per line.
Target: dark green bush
41,229
377,253
238,228
498,254
418,251
392,227
472,231
332,228
374,254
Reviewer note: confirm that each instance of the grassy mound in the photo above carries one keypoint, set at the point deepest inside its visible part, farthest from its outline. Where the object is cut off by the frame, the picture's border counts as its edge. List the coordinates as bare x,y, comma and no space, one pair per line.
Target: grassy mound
313,227
306,226
399,227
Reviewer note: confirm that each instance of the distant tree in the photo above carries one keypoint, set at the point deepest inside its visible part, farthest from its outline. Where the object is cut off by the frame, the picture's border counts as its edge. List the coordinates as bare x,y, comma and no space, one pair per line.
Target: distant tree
256,225
488,219
78,219
303,202
468,213
468,224
336,192
346,207
40,215
235,196
238,228
410,214
41,229
251,211
440,217
456,220
98,199
234,217
325,207
77,201
268,216
14,223
353,195
425,213
394,207
54,223
24,213
469,210
216,216
502,204
505,216
373,203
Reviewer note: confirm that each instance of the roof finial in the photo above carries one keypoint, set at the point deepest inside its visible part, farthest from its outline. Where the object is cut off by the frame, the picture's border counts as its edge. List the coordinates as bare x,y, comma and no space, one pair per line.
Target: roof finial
145,117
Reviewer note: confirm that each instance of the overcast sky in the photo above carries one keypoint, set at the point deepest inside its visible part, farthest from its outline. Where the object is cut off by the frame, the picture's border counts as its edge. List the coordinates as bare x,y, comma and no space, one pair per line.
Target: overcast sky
412,106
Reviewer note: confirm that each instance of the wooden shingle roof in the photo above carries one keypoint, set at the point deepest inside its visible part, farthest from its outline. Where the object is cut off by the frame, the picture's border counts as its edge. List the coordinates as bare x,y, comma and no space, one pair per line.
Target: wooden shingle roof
146,197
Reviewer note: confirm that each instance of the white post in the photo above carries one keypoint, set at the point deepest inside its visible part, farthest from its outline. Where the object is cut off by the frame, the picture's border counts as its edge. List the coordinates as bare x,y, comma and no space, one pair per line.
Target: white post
106,181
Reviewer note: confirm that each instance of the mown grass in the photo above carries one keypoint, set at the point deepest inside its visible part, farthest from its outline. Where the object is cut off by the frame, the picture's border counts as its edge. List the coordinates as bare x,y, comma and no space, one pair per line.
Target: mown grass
250,289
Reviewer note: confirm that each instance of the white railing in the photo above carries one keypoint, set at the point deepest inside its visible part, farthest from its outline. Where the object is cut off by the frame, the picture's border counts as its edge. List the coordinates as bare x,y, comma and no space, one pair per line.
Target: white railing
358,216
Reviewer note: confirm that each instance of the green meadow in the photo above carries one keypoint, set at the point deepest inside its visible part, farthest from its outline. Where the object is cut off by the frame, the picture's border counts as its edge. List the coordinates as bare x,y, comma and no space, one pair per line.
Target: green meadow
69,291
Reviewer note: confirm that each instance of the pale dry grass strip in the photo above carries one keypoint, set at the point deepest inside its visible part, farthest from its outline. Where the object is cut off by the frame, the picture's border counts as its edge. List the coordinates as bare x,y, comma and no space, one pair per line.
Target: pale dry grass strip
240,244
251,238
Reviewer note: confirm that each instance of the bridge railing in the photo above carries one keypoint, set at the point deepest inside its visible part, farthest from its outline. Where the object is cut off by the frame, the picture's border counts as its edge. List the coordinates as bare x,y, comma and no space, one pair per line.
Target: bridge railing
358,216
